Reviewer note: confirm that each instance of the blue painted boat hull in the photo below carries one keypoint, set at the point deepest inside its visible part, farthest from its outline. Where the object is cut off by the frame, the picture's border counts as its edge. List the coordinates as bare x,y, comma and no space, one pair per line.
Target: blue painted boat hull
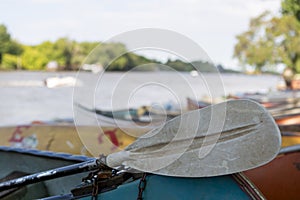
162,187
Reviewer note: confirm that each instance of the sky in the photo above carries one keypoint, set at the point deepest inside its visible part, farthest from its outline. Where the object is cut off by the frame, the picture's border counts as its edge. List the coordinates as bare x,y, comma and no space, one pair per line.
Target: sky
213,24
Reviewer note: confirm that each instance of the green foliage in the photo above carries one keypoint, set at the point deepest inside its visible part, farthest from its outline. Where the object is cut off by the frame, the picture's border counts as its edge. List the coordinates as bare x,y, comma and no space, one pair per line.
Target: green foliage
291,7
15,48
67,53
105,53
70,55
33,59
179,65
205,66
81,51
4,39
253,46
7,45
10,62
131,61
270,41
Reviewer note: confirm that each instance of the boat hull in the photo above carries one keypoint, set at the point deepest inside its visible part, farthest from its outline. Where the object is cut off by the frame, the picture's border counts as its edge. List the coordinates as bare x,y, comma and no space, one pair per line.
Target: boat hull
78,140
279,179
163,187
32,161
233,186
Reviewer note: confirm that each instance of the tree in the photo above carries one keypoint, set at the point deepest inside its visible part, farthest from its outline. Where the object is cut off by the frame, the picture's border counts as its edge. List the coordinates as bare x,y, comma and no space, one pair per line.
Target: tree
80,52
269,41
105,53
34,59
4,41
285,36
7,45
253,47
64,48
291,7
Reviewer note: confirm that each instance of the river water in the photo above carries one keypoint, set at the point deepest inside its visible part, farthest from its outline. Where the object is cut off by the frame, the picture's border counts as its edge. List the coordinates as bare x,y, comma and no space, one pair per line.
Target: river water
25,98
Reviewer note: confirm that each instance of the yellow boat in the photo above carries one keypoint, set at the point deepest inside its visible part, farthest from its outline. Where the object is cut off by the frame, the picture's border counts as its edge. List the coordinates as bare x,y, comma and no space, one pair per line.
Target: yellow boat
84,140
290,134
290,139
78,140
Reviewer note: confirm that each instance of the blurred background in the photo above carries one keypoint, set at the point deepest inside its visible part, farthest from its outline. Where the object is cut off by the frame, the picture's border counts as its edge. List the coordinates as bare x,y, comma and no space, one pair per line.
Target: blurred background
89,77
44,44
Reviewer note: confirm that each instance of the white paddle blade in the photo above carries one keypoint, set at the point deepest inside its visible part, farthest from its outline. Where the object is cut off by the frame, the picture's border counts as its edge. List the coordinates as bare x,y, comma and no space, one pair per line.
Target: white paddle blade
220,139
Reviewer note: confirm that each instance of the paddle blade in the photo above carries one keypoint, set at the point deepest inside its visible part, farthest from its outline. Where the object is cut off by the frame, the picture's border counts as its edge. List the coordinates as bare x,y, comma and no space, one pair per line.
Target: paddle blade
220,139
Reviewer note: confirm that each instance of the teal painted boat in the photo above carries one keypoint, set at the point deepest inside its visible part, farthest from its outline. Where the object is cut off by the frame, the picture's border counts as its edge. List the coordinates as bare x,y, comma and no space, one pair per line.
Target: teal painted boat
163,187
124,186
16,162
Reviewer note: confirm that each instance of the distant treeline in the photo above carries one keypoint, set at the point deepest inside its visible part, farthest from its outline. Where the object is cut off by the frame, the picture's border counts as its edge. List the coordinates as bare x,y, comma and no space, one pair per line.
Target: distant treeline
68,54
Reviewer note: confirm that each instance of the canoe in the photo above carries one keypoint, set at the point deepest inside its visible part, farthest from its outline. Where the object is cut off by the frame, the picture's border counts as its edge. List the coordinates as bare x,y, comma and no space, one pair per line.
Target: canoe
288,119
56,121
15,162
194,104
285,110
275,102
78,140
90,140
235,186
275,96
289,128
290,135
141,117
290,139
279,179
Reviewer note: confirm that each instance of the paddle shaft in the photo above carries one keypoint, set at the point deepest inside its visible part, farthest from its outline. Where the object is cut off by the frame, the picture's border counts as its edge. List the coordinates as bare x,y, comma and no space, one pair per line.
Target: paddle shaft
51,174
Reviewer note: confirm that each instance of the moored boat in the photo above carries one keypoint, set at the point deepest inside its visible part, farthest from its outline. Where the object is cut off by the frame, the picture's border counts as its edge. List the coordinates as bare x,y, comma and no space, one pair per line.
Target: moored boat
233,186
290,110
216,175
67,81
288,119
194,104
88,140
140,117
290,138
68,138
127,186
15,162
275,102
279,179
290,134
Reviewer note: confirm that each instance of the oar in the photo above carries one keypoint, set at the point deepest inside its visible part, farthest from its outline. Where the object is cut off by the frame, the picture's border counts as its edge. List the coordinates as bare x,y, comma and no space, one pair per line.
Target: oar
221,139
90,165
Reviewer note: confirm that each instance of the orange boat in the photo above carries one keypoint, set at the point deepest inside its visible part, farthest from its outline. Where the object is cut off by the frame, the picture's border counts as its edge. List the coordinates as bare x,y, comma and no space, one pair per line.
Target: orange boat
279,179
288,119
